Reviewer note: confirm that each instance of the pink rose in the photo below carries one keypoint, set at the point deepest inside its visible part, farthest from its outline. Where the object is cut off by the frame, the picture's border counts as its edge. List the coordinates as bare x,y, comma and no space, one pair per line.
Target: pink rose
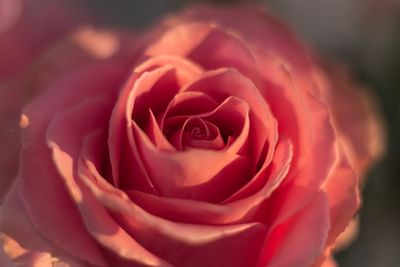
221,144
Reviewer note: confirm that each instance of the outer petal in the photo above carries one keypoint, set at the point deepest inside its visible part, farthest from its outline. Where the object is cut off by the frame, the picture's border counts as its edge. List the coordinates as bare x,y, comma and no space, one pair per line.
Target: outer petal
218,43
22,243
184,244
329,262
291,244
75,51
343,196
248,209
258,29
89,115
314,163
355,116
49,205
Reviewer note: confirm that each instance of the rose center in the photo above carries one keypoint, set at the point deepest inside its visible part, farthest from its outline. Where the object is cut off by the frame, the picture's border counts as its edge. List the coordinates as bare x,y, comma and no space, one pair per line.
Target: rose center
196,132
196,129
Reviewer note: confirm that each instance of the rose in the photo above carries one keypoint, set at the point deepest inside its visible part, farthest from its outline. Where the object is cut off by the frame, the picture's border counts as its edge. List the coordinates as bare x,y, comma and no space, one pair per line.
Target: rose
220,146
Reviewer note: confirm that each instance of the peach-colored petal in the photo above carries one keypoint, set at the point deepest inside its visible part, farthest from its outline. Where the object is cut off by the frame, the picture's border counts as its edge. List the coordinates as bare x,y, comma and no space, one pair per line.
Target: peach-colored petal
156,135
329,262
65,150
257,28
196,174
241,211
222,83
55,63
355,116
304,182
197,235
196,244
343,196
237,126
49,206
124,162
189,103
291,244
217,43
22,243
346,237
284,94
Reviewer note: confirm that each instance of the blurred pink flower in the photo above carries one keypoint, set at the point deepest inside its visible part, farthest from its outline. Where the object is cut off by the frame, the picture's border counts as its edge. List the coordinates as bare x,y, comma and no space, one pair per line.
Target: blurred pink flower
77,48
28,27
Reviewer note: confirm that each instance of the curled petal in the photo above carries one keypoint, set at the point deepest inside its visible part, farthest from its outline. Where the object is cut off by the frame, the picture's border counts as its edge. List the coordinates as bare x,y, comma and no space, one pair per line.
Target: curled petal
197,245
284,245
196,174
23,245
244,210
343,196
270,35
49,205
223,83
355,116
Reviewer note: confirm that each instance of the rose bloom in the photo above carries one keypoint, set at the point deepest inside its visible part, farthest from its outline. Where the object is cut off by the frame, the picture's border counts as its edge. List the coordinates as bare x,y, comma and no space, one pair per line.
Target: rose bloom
212,140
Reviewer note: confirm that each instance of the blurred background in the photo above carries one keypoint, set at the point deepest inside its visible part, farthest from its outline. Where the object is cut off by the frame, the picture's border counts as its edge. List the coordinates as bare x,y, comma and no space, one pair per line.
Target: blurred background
365,34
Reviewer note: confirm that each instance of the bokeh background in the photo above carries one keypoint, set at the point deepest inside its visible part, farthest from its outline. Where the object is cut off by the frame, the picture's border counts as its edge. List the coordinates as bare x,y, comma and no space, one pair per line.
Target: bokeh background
365,34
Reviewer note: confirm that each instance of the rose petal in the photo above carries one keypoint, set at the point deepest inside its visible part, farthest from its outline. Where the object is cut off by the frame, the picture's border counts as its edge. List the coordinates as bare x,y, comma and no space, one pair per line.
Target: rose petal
125,163
195,174
237,127
329,262
284,245
185,244
65,150
304,182
213,141
49,206
269,35
241,211
34,250
343,196
156,135
218,44
355,116
223,83
188,103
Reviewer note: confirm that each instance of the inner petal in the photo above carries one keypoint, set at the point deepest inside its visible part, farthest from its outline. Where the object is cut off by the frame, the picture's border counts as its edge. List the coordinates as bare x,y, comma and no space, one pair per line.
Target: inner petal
197,133
227,126
189,103
196,129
